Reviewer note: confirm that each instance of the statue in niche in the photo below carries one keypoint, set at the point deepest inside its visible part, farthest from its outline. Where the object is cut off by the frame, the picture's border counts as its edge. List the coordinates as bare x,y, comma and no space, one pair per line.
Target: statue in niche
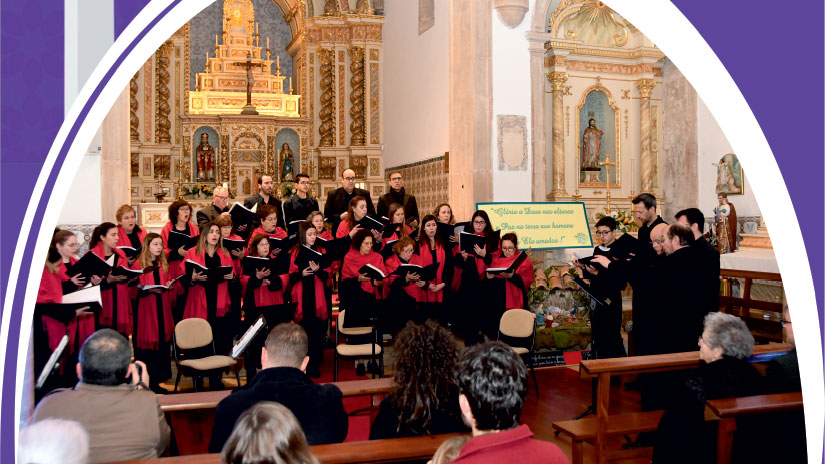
287,163
206,159
726,225
591,147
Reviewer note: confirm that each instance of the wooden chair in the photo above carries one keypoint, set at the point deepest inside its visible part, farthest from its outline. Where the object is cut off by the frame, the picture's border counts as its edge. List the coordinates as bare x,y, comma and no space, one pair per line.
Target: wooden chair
373,351
520,323
196,334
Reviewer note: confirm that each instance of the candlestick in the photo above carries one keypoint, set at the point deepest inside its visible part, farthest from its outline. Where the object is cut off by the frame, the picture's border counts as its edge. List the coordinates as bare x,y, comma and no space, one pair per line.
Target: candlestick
289,82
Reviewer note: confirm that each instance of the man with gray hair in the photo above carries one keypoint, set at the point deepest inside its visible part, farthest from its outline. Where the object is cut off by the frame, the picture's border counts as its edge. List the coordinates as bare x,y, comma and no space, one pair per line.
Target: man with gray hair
220,198
112,402
318,408
53,441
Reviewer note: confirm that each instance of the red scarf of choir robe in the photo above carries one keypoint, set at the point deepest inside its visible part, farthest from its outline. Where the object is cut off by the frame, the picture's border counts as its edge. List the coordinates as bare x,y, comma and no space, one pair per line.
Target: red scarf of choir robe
123,324
298,288
263,295
196,300
392,263
425,258
515,296
395,236
354,260
147,316
277,233
51,291
343,229
123,239
175,267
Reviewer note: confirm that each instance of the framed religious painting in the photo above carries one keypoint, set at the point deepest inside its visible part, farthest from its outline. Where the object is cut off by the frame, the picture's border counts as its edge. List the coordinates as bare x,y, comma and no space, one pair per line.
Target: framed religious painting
730,178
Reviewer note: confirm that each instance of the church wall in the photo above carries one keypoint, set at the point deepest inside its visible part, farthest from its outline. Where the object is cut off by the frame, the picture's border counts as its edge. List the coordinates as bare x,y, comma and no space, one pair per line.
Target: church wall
511,96
712,146
416,70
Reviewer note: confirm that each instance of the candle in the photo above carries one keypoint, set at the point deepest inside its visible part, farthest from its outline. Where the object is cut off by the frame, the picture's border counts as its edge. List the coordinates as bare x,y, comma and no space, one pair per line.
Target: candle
278,60
289,81
267,42
216,40
256,28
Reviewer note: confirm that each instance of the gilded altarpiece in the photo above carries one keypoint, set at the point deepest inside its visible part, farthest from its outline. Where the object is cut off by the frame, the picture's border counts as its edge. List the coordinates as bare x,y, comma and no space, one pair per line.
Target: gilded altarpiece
599,67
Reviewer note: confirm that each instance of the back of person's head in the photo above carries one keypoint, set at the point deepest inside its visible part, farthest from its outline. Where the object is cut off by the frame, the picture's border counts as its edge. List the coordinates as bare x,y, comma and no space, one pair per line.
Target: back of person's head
104,358
683,232
646,198
53,441
286,346
729,333
494,381
449,449
693,216
267,433
425,370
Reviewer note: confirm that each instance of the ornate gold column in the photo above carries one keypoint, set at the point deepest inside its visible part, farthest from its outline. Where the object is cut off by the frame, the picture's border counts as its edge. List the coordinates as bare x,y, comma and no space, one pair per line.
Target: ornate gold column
356,97
645,88
134,122
327,113
162,108
557,79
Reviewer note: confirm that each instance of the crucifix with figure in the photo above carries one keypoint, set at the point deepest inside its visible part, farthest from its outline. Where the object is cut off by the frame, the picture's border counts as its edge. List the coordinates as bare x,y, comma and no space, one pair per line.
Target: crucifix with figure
607,163
248,64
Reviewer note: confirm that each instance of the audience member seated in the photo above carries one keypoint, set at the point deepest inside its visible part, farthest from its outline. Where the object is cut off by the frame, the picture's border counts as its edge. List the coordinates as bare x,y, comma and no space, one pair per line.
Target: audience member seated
424,399
782,373
318,408
492,385
267,433
112,402
724,372
53,441
449,450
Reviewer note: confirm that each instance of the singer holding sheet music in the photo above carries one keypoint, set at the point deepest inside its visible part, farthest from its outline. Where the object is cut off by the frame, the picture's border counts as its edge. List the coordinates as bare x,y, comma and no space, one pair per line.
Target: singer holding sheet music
397,216
357,210
357,291
47,330
229,236
260,290
470,295
268,216
308,288
129,234
114,290
403,293
507,290
153,321
180,215
210,300
432,249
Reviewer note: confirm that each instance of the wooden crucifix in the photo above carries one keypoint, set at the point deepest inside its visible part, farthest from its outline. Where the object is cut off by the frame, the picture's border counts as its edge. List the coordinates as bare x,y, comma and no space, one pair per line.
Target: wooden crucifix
607,163
249,65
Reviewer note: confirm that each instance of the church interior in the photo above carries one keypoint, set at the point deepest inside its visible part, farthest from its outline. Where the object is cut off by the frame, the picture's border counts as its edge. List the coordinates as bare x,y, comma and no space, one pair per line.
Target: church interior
472,101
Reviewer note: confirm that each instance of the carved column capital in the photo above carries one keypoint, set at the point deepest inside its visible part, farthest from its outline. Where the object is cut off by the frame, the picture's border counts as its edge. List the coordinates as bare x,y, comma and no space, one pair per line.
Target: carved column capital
557,78
645,87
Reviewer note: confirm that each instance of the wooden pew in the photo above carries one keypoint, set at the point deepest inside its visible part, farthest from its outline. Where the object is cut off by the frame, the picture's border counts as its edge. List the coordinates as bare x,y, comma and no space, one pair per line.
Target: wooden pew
599,429
373,452
192,415
727,410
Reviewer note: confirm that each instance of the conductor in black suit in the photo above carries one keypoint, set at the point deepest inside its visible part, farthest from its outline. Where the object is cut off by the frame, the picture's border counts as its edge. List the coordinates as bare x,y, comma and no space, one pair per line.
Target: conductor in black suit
338,199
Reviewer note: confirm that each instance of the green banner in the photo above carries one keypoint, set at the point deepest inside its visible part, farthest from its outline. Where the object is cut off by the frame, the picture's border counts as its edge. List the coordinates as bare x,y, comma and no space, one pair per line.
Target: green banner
542,226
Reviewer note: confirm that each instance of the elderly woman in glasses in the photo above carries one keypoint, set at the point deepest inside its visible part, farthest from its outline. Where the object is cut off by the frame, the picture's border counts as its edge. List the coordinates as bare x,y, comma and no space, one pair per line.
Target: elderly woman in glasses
724,372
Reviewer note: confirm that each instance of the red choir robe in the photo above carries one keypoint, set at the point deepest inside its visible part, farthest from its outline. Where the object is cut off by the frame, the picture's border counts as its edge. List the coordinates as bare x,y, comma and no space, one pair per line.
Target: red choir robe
115,299
321,310
480,266
354,260
175,267
277,233
196,300
147,336
425,259
335,265
391,264
123,239
515,295
343,229
51,291
394,236
236,263
263,295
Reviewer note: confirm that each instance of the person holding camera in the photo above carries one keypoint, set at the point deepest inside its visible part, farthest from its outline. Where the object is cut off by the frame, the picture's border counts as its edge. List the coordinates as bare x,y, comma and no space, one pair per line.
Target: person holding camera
112,402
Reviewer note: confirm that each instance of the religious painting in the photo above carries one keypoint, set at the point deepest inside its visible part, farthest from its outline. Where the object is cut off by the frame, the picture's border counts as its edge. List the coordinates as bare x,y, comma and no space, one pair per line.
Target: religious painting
147,167
377,191
598,141
729,176
153,215
205,154
163,166
245,182
288,147
147,192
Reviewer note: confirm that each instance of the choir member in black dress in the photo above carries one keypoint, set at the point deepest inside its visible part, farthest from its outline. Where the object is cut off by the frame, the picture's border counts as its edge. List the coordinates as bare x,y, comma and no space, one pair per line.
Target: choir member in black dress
129,234
114,290
402,293
506,290
228,232
359,292
153,319
433,249
470,295
180,215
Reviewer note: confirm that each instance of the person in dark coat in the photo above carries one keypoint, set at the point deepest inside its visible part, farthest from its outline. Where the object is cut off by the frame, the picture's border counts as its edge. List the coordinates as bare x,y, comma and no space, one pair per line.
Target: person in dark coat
298,206
398,194
424,399
265,196
319,408
724,372
706,254
335,208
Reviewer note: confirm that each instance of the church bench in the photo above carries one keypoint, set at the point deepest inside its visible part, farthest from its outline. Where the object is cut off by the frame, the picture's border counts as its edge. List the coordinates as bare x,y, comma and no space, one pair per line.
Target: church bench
192,415
373,452
603,369
583,430
727,410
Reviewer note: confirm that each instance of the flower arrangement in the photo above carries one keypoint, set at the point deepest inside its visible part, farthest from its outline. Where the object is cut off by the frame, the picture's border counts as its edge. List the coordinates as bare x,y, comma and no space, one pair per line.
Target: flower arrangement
624,222
287,189
197,189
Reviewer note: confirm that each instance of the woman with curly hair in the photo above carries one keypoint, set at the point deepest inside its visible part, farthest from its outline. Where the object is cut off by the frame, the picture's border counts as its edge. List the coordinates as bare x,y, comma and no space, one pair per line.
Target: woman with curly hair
424,399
